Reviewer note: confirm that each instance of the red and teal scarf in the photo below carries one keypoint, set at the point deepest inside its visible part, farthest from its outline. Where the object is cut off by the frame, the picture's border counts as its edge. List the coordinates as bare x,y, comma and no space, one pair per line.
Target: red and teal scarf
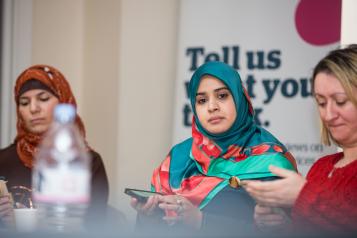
201,166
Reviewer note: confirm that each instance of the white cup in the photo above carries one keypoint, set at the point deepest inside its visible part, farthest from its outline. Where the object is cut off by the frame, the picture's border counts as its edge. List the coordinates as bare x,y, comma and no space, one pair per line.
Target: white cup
25,219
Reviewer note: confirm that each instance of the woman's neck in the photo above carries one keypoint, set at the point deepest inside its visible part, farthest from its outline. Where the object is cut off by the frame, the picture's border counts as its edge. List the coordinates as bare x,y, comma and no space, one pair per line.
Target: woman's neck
349,155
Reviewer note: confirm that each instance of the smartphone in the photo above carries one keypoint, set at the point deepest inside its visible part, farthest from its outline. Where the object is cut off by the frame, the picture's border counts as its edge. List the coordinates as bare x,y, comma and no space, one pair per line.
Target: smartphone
141,195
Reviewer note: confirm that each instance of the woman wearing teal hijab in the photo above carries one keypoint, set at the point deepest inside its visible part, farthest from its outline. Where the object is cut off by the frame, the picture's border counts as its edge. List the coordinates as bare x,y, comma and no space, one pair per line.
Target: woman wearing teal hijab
226,146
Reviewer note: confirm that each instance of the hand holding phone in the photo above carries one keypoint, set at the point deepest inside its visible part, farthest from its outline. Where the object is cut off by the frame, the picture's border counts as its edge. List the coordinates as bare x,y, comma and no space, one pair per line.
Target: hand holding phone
141,195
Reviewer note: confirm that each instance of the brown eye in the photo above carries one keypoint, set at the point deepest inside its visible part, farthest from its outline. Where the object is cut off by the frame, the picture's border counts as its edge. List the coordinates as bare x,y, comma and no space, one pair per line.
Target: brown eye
201,101
223,95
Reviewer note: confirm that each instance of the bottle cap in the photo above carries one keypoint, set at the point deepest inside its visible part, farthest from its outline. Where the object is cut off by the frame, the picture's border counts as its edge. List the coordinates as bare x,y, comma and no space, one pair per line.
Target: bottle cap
64,113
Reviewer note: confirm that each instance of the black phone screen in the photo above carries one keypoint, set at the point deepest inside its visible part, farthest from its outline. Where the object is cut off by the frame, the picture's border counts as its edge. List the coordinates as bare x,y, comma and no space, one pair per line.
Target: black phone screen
141,195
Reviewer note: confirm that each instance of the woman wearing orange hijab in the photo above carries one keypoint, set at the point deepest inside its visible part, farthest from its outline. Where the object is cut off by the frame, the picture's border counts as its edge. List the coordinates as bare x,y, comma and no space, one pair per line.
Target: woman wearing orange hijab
37,91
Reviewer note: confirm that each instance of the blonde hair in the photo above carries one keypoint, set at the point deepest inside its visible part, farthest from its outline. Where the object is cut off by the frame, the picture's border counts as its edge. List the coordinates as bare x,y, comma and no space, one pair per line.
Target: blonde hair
341,63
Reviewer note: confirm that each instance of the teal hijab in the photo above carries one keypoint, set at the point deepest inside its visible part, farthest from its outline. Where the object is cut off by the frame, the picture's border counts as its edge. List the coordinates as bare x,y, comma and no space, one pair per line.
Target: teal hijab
244,131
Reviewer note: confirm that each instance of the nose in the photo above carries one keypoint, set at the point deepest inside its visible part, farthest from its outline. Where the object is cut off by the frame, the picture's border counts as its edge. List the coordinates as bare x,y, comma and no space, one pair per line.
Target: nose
34,107
213,105
330,112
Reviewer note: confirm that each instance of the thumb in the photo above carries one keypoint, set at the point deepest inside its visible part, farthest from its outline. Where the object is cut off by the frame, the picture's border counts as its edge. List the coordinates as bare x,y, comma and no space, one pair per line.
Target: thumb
280,171
133,202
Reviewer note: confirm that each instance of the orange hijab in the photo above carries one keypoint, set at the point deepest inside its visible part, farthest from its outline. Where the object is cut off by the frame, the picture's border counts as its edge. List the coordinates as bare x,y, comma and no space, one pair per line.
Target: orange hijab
27,142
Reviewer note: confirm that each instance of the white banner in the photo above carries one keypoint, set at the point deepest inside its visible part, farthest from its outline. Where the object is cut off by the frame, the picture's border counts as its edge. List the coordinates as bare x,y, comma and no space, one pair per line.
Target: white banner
261,40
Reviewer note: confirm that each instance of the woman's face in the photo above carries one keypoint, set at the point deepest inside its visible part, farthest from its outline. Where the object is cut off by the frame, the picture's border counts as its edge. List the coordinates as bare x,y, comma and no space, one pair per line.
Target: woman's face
337,112
215,106
36,110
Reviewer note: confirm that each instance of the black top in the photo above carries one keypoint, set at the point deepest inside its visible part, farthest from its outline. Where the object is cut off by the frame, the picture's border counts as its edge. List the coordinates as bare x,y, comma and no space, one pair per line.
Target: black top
17,174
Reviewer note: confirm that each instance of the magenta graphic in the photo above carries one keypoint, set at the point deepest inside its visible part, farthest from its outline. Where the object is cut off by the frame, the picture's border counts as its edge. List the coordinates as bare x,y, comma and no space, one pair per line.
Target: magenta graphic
318,22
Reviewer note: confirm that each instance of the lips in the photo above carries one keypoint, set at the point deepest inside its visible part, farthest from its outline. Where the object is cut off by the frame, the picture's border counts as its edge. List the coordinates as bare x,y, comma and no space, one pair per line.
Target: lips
334,125
215,120
335,128
37,121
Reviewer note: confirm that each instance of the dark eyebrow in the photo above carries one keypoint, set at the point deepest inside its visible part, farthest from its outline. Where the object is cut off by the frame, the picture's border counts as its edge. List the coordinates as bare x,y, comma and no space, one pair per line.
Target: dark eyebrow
219,89
37,95
216,90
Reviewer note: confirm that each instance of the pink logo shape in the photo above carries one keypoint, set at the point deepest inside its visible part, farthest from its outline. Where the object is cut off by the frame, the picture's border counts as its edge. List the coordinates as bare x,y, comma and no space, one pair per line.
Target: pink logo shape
318,22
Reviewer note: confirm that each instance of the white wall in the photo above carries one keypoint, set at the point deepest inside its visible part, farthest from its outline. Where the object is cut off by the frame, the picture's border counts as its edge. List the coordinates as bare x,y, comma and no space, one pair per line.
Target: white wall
100,82
16,56
119,57
146,86
57,39
348,22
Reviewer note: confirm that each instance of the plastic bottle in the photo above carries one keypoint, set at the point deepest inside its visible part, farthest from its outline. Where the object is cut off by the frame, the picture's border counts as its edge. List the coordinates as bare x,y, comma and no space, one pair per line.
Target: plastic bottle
61,175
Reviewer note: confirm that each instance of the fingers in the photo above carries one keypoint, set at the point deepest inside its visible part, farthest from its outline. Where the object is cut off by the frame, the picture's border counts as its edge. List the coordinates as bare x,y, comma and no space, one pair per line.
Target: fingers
172,202
5,207
151,204
262,210
171,199
260,191
267,216
174,207
168,202
146,208
270,193
4,199
178,208
278,193
281,172
133,202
